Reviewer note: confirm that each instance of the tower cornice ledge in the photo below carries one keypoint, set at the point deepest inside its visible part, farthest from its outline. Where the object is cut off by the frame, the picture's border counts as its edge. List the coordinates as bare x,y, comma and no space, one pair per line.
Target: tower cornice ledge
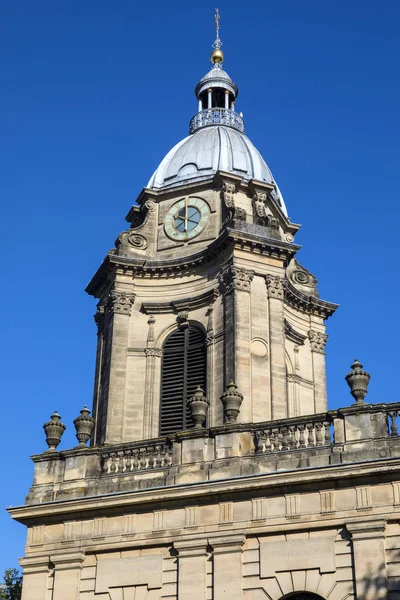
237,235
308,303
165,496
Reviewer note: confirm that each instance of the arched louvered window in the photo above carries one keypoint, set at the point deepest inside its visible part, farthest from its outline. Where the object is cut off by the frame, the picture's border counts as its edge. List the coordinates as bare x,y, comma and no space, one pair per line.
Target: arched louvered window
183,369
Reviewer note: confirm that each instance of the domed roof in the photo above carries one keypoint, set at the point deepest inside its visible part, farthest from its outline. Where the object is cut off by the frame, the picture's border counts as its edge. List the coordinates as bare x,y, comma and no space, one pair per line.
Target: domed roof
208,150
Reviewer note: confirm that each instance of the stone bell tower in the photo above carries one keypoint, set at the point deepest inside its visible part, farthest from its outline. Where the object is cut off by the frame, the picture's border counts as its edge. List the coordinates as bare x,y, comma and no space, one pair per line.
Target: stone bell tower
215,470
210,249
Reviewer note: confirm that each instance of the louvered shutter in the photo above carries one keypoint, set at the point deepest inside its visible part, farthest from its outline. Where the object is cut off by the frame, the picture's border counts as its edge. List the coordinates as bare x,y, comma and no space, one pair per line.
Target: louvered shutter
183,369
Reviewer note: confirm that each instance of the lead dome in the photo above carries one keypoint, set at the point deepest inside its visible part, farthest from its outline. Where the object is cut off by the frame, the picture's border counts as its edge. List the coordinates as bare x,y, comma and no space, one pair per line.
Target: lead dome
216,141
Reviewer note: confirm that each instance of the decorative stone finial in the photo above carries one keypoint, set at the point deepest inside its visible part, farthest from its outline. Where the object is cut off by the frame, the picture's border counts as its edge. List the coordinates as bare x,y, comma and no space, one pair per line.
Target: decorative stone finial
232,400
198,405
84,425
54,430
358,381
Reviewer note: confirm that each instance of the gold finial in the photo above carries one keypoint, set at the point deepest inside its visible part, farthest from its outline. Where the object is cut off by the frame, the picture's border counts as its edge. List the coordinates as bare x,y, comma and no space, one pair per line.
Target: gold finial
217,56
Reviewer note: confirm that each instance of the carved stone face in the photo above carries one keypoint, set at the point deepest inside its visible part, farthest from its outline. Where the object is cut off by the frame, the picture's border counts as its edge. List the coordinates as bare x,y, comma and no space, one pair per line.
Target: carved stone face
186,218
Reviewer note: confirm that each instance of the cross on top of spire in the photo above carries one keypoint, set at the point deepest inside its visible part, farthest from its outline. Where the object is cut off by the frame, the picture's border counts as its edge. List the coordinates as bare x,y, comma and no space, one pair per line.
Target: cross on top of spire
217,44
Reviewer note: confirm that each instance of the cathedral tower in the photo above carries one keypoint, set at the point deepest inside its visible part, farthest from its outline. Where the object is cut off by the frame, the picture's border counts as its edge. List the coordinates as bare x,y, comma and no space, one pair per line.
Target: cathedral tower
215,469
204,288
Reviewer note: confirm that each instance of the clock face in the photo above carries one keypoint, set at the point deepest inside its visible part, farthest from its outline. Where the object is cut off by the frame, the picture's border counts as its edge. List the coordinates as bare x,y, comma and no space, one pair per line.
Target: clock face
186,219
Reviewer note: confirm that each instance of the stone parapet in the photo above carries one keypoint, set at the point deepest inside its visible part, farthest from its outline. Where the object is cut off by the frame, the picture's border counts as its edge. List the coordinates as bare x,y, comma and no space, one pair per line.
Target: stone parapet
336,437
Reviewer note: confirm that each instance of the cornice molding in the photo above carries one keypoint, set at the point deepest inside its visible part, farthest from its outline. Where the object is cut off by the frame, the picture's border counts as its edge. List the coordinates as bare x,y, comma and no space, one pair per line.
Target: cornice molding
177,306
236,237
307,303
293,335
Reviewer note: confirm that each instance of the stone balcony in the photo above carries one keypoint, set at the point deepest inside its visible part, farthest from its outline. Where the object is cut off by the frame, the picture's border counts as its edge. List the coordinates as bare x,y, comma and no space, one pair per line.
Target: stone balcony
358,433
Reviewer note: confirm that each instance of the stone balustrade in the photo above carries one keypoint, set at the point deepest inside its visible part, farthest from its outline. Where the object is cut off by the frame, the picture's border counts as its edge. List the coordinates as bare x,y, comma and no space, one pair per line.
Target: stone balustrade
358,432
137,457
292,434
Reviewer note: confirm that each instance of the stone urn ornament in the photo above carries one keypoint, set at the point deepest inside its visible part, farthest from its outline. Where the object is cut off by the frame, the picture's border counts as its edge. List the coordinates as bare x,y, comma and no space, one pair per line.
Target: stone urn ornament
232,400
84,425
358,381
54,430
198,405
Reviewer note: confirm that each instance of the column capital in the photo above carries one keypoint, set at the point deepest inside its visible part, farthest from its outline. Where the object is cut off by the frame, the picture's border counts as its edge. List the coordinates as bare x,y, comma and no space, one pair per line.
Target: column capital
366,530
224,544
121,302
275,286
317,341
35,564
191,548
67,560
236,278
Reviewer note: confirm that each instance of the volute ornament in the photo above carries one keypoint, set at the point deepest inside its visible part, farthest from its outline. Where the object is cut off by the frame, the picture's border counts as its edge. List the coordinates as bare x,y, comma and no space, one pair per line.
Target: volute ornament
232,400
358,380
198,405
54,430
150,205
133,239
84,425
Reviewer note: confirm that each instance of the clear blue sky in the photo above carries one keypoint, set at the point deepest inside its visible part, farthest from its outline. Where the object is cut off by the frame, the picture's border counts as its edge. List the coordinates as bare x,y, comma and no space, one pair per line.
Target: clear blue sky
93,95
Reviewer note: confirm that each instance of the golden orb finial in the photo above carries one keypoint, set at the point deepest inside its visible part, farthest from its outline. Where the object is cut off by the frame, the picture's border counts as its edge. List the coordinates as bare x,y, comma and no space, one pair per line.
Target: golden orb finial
217,56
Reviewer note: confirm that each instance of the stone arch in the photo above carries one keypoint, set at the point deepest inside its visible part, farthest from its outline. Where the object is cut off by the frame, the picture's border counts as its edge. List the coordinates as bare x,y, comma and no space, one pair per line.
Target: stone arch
304,595
162,336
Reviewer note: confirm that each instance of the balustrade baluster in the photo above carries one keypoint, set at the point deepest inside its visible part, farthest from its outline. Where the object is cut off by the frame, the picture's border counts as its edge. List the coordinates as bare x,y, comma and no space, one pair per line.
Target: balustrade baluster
259,441
284,440
394,431
158,457
292,437
302,441
114,463
274,440
327,426
150,452
107,464
318,434
310,438
267,433
142,458
168,461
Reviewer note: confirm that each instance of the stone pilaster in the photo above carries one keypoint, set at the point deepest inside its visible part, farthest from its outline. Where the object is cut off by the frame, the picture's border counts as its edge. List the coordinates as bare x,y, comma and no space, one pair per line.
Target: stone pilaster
317,344
152,392
210,392
276,292
36,571
192,569
368,541
236,285
67,575
99,320
227,555
113,376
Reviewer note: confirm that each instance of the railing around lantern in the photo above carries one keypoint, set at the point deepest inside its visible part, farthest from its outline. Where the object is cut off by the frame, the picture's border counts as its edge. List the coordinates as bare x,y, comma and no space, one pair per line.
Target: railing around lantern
216,116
